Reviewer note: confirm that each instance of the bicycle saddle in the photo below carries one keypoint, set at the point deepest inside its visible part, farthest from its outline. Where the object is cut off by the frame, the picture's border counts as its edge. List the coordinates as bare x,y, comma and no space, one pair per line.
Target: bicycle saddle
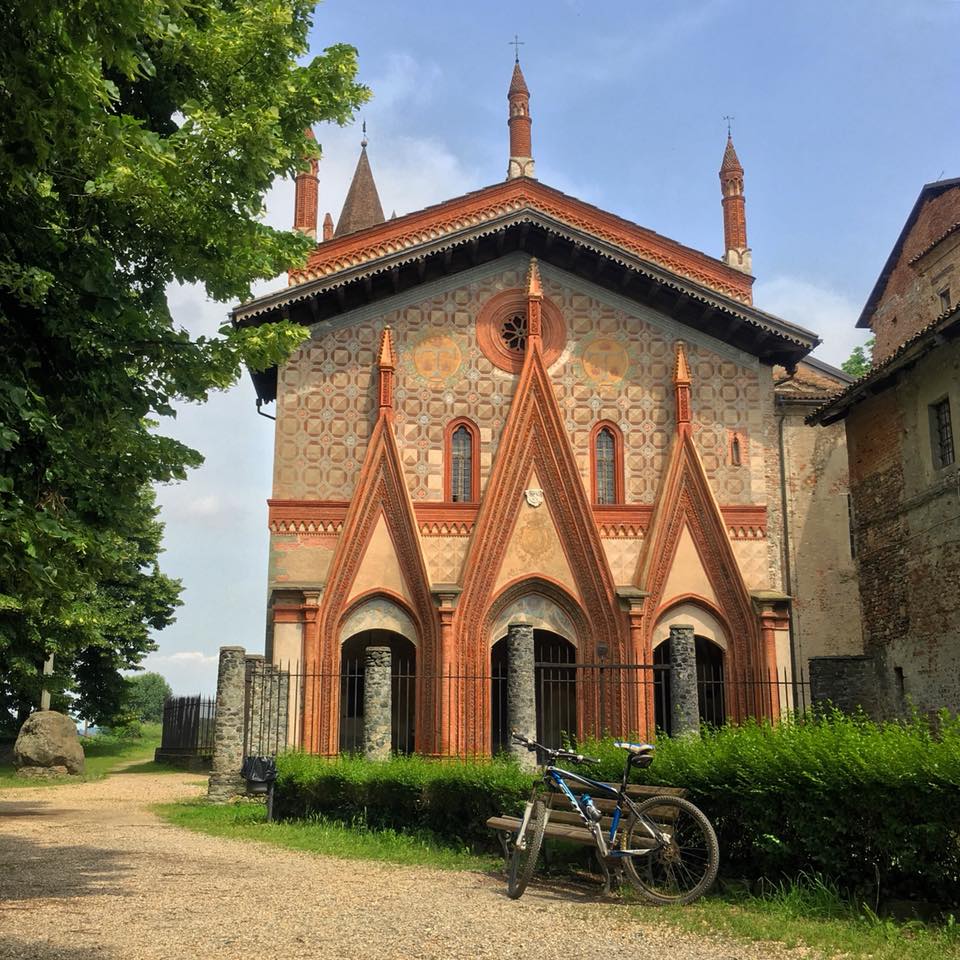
637,749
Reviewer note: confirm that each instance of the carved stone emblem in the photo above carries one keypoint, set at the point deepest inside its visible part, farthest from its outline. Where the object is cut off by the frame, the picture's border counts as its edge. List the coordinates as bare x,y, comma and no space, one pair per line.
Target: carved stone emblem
534,496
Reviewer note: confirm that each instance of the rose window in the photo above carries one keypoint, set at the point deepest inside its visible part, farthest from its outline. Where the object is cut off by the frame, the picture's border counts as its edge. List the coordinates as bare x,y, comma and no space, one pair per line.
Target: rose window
513,333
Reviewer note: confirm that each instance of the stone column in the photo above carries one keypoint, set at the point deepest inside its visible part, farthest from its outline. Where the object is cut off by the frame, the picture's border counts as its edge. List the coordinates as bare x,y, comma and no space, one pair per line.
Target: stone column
377,703
683,681
521,689
225,779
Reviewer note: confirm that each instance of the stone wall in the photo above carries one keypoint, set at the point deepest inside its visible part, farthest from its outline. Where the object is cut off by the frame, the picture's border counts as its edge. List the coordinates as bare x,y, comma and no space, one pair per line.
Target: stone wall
847,683
907,519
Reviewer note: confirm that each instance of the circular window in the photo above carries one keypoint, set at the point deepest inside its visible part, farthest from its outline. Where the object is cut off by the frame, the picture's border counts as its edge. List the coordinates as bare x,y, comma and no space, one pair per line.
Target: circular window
502,330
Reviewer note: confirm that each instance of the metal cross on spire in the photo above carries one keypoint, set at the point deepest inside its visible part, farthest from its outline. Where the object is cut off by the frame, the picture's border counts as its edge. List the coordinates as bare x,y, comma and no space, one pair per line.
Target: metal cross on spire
728,119
516,43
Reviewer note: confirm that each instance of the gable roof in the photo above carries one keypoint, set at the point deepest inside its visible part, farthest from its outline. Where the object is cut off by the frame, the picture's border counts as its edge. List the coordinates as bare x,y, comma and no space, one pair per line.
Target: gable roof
942,330
524,215
927,192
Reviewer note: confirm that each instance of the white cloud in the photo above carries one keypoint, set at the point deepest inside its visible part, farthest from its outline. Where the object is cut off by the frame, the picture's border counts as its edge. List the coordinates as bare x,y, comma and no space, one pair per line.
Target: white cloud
828,313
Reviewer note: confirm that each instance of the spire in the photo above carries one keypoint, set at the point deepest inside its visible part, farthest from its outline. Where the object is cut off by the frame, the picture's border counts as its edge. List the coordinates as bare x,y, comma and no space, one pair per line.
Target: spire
327,226
534,306
736,252
386,364
681,386
362,207
305,195
521,150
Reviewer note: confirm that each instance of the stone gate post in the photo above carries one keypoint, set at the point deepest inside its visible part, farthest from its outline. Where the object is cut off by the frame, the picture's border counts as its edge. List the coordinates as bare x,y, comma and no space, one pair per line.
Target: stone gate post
521,689
683,680
225,779
377,703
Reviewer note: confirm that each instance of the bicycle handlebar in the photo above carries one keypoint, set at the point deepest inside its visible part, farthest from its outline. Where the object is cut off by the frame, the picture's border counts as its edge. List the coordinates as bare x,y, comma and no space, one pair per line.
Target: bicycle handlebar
558,754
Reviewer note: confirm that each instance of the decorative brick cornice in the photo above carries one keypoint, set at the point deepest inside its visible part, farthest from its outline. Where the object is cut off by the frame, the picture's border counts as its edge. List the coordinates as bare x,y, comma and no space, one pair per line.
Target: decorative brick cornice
512,197
621,521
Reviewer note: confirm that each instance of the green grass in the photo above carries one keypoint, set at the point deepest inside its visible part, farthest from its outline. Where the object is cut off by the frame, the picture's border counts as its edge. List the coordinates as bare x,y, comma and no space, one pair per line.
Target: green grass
103,754
813,914
247,821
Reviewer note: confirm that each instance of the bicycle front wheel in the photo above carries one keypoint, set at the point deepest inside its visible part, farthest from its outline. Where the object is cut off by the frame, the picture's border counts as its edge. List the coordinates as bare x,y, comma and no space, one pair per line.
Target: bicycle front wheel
523,860
680,870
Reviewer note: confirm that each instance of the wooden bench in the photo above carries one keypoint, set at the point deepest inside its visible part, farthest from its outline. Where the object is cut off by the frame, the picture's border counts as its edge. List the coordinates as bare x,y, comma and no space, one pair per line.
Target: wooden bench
563,823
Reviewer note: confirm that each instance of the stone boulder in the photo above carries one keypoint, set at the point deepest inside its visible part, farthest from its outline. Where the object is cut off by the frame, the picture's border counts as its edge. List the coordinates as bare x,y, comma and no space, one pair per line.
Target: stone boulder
48,739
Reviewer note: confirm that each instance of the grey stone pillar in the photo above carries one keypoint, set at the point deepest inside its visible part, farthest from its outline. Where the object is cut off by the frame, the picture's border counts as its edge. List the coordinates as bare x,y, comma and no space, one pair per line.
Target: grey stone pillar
521,689
683,681
377,703
225,779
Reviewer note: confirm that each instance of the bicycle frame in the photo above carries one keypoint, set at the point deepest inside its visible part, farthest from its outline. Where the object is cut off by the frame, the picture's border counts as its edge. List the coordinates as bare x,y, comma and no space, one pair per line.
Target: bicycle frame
559,777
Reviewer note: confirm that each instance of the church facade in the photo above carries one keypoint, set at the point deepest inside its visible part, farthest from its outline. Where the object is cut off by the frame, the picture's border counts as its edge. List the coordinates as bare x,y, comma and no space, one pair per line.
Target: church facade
516,410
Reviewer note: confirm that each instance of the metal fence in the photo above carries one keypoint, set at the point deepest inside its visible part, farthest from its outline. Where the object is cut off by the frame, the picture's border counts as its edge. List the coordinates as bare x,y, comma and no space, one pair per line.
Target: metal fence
188,725
461,713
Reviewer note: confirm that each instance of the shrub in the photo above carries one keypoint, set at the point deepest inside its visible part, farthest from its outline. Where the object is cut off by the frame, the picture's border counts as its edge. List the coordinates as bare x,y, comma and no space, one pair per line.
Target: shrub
874,808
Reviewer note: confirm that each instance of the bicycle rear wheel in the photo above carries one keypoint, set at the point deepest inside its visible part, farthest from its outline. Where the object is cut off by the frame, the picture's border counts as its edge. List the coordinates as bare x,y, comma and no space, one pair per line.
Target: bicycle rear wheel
523,860
681,870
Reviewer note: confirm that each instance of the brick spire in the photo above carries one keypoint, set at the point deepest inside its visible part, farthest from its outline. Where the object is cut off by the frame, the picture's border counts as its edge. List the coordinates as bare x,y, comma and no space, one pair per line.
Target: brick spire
521,150
736,252
362,207
681,386
386,364
305,196
327,226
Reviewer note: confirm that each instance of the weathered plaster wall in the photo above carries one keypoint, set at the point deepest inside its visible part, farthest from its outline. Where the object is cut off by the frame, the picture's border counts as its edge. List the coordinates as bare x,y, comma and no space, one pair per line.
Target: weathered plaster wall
907,522
826,606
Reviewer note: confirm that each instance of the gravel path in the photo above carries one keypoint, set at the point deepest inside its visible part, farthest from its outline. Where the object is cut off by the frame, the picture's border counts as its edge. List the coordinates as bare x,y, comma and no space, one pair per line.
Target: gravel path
87,872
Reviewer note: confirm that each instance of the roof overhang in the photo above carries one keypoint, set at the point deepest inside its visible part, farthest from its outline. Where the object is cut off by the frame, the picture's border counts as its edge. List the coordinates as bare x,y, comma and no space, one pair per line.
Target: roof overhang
944,329
529,230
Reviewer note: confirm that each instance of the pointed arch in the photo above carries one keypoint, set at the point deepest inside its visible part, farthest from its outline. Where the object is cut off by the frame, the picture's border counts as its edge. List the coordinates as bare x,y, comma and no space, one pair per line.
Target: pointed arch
606,489
686,502
457,476
381,499
534,441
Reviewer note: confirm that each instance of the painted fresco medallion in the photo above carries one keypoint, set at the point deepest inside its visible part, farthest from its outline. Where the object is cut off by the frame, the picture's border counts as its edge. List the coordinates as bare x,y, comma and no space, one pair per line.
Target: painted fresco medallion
437,357
605,361
535,538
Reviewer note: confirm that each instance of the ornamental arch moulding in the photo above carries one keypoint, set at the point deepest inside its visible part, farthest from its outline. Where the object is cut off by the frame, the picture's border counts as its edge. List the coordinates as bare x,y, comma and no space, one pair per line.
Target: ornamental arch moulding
707,621
501,330
378,612
543,604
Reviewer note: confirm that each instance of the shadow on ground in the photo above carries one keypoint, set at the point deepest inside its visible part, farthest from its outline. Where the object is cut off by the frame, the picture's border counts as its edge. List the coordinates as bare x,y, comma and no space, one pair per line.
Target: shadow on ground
17,948
41,871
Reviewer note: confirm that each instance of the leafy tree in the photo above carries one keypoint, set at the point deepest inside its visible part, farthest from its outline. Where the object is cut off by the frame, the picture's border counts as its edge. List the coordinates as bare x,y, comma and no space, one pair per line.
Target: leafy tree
145,695
859,363
137,141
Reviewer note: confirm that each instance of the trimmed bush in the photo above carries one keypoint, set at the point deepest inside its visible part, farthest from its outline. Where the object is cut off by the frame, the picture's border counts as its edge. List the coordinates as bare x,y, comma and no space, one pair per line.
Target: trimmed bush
873,807
452,801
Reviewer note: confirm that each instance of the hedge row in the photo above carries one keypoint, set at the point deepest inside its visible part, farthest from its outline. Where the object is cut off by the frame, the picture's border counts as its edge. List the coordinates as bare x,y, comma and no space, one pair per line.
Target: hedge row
875,807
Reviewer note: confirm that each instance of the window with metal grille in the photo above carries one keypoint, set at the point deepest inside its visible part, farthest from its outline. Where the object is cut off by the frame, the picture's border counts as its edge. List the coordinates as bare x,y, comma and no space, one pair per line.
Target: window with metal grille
941,433
461,466
606,465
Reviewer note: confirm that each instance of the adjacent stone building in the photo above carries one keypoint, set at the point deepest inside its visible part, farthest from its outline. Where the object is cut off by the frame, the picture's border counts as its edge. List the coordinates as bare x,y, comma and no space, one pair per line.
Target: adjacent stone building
904,481
522,419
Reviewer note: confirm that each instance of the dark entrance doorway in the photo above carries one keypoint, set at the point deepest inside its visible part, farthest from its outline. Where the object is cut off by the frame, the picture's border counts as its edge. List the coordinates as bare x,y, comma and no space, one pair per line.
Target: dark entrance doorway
711,692
403,677
556,691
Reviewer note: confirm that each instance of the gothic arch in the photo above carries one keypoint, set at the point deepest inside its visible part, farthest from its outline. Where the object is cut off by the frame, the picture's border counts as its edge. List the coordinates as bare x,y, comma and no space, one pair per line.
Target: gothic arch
379,610
512,597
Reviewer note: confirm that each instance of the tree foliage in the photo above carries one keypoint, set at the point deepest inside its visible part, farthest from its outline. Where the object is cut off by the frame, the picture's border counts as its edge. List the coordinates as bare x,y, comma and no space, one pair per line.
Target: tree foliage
138,140
859,361
146,693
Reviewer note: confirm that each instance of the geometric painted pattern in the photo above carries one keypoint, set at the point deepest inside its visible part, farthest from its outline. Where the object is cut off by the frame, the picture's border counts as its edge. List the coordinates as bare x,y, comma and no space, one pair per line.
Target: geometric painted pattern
617,366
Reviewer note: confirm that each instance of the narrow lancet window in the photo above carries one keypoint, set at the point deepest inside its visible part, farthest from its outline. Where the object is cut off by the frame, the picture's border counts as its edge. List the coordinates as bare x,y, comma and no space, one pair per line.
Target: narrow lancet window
606,466
461,466
735,452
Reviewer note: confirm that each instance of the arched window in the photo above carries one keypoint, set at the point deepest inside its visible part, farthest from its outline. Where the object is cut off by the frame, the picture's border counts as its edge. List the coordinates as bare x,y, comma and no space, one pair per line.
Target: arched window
606,457
461,462
735,451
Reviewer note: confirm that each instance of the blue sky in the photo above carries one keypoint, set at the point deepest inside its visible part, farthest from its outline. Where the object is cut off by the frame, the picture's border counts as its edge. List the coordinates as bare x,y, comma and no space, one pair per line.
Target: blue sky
843,110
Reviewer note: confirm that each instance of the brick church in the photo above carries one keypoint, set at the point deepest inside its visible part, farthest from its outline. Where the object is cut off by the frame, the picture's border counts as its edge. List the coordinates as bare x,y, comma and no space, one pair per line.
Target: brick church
517,411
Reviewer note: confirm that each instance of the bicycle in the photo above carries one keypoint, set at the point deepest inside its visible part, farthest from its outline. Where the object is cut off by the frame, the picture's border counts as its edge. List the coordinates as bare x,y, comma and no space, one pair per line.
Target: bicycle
667,846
